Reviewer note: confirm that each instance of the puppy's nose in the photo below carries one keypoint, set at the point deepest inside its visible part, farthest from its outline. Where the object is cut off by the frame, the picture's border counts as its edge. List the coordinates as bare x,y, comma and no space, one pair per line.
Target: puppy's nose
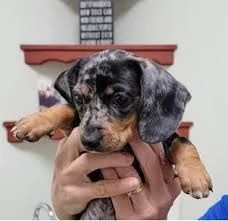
91,139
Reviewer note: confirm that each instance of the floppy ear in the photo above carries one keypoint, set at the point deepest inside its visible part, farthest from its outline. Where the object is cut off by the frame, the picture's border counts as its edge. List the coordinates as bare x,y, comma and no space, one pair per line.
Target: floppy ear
163,103
67,80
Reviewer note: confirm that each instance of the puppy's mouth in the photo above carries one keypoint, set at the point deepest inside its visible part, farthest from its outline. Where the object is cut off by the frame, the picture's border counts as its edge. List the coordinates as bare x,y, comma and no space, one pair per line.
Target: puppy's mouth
98,149
106,139
102,146
102,149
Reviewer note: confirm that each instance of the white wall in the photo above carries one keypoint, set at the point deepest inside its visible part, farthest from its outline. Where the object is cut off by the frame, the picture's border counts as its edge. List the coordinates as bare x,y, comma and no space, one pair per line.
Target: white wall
26,169
199,27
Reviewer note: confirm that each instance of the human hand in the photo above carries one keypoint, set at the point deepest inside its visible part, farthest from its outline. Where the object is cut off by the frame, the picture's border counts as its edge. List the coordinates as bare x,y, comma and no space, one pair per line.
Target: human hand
71,187
159,191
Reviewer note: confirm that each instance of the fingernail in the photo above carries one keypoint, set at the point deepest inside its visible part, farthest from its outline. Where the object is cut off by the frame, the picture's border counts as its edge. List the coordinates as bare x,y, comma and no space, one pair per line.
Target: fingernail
129,157
133,182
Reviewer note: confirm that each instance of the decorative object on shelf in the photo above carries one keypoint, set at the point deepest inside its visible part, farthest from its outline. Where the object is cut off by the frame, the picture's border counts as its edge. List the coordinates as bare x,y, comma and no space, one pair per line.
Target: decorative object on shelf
96,22
39,54
183,130
48,96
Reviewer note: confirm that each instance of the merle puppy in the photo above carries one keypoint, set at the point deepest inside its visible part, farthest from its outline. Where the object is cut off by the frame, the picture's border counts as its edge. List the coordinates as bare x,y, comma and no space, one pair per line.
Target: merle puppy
111,93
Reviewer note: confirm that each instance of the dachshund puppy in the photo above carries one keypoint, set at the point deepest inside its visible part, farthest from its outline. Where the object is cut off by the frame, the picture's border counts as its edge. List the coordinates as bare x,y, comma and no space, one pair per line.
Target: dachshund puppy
111,93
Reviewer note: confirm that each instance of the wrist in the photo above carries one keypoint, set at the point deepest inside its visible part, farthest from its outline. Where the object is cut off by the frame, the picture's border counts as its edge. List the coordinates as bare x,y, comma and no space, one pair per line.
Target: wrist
67,214
62,215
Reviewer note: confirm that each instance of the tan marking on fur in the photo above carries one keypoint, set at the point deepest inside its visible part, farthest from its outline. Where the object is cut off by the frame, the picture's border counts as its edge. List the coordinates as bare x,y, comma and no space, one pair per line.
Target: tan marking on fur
85,90
60,116
182,151
117,133
39,124
109,90
192,173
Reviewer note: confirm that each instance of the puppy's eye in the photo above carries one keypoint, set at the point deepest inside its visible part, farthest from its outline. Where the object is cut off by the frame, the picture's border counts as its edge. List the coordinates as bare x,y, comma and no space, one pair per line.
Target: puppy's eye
78,99
119,99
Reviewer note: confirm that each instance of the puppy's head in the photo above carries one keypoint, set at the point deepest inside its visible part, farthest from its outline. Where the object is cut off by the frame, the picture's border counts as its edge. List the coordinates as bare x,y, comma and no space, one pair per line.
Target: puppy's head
114,92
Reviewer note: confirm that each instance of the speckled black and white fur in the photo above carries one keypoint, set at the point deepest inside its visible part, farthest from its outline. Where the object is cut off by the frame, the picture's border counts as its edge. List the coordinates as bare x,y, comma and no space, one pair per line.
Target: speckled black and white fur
115,85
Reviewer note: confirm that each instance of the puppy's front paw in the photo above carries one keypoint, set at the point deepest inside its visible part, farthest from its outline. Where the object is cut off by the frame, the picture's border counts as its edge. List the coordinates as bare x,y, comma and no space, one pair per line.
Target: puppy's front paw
194,178
32,128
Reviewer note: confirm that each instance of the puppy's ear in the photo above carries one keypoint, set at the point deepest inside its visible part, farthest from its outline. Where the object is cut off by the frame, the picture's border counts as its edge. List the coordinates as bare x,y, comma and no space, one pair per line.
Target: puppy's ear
66,81
163,103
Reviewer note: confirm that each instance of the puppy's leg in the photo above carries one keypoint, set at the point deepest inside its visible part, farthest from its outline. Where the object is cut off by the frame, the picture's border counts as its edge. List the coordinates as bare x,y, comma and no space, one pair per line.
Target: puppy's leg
39,124
192,173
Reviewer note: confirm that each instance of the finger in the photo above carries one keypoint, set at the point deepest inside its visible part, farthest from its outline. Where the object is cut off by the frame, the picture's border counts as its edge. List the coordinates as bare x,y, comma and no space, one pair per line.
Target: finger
149,164
174,189
120,202
171,181
130,171
109,174
168,171
110,188
166,167
139,200
160,152
68,150
89,162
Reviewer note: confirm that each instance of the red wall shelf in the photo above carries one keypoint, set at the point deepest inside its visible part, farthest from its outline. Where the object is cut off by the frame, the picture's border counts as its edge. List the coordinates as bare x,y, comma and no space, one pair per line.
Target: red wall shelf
183,130
39,54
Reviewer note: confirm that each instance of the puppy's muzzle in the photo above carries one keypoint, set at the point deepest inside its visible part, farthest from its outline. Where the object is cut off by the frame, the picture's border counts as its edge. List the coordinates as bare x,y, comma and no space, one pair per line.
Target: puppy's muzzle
91,139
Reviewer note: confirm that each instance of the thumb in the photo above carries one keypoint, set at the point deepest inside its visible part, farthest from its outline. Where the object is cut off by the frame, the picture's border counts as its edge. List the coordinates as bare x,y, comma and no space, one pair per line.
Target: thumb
68,150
